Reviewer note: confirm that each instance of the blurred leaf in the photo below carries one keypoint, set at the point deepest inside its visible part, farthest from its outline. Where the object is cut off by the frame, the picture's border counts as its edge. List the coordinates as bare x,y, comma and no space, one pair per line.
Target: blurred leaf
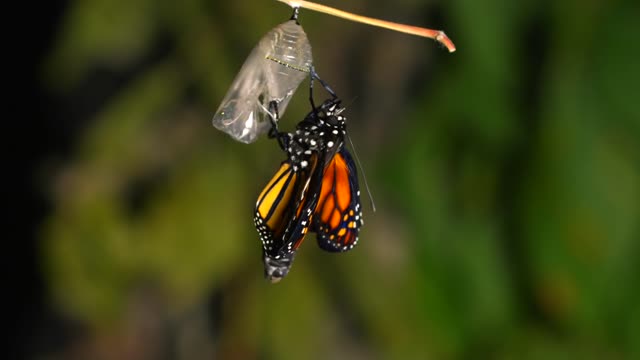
111,33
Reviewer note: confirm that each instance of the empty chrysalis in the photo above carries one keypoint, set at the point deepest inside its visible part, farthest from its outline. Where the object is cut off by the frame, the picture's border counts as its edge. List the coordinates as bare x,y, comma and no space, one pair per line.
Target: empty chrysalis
272,73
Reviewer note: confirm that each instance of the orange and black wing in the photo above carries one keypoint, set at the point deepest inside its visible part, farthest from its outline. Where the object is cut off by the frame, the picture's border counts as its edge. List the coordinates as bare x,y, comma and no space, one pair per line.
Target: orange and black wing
283,214
338,216
284,207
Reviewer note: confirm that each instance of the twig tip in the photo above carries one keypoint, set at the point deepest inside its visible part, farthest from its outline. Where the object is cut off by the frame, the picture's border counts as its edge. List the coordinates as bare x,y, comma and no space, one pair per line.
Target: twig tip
442,38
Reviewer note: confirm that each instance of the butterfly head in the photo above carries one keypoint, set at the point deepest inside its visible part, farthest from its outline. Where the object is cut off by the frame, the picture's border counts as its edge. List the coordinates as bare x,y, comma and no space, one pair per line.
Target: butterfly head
329,115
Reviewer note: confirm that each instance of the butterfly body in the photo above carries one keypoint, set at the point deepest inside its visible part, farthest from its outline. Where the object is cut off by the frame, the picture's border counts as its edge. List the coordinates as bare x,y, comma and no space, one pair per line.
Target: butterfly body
315,189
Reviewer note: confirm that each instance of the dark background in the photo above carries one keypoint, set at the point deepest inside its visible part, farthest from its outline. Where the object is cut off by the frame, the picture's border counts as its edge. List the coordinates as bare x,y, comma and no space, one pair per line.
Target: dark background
32,137
506,177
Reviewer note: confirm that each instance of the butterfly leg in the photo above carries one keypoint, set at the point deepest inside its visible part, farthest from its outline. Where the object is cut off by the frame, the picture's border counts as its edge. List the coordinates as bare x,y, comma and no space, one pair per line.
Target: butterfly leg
314,75
274,117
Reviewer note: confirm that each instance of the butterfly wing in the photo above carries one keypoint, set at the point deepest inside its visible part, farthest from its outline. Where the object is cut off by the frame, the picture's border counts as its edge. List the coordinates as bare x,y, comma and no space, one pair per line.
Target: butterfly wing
338,216
283,214
274,203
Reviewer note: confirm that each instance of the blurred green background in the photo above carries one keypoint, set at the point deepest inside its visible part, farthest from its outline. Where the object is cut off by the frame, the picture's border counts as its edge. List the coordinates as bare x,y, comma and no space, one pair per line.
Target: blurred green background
506,177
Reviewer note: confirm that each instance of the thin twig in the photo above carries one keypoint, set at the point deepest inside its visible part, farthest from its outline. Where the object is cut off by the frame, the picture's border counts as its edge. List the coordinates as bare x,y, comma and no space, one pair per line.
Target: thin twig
437,35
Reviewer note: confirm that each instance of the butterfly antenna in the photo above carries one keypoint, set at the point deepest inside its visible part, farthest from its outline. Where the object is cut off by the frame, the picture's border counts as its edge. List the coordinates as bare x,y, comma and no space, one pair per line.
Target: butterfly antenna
364,177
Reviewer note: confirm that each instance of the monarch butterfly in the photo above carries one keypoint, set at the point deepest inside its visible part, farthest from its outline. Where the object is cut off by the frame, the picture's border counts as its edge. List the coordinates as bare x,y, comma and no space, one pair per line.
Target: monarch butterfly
316,189
271,74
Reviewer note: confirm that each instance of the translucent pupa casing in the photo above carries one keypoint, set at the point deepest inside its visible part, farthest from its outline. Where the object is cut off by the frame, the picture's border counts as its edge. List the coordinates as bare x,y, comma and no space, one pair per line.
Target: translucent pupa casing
272,72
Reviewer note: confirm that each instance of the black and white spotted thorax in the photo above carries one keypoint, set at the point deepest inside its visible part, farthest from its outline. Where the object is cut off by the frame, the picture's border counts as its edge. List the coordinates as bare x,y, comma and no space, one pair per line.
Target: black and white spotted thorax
321,130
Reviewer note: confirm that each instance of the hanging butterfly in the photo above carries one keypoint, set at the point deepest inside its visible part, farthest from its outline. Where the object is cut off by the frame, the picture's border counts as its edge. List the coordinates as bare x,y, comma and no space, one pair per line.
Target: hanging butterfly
316,189
271,74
